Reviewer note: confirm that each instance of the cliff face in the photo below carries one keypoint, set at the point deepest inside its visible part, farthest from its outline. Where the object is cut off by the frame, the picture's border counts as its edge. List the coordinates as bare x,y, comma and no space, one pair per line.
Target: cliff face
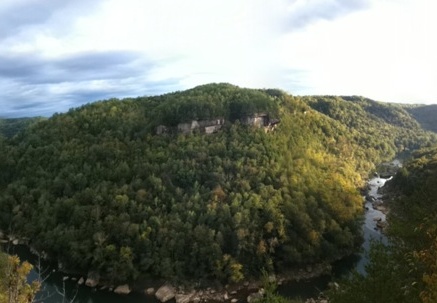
214,125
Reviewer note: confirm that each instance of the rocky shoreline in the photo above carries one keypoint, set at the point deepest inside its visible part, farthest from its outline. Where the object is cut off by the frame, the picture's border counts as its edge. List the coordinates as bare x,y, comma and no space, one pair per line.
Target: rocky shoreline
164,291
245,291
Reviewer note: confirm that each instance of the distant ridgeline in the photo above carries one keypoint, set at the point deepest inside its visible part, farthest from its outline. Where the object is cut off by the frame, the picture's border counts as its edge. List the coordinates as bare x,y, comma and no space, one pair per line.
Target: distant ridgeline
140,188
10,127
426,115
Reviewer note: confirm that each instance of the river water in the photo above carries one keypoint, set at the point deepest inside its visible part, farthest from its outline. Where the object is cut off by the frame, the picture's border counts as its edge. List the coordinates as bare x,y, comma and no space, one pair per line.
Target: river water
58,288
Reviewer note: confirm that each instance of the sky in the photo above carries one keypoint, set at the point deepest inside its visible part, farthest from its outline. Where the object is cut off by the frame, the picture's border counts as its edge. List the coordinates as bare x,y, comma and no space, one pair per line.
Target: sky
60,54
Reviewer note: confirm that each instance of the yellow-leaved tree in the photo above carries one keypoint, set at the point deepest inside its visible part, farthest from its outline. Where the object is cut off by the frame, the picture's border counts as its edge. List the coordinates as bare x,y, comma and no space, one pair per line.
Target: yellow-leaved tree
14,287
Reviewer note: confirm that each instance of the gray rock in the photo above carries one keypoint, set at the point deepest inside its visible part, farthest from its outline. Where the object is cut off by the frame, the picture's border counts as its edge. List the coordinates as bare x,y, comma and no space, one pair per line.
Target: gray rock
234,300
122,289
92,279
165,293
254,297
150,291
184,298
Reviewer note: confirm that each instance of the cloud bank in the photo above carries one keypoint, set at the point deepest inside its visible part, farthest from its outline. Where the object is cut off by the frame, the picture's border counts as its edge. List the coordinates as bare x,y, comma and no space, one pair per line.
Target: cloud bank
59,54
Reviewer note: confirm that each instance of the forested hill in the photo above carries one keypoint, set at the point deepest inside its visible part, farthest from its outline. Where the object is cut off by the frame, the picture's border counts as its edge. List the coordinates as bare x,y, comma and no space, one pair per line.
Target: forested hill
216,182
12,126
426,115
405,270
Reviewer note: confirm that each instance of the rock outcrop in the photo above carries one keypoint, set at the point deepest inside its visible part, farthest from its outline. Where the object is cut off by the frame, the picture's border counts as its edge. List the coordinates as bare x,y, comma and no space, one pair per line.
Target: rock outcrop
165,293
122,289
254,297
92,279
185,298
150,291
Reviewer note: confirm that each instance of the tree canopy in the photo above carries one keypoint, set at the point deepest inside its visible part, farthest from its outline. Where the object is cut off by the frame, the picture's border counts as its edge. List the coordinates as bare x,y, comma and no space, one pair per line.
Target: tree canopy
97,189
404,271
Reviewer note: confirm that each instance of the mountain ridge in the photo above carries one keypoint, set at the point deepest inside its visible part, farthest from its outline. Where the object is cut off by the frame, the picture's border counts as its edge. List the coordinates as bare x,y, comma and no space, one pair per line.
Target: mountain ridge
98,190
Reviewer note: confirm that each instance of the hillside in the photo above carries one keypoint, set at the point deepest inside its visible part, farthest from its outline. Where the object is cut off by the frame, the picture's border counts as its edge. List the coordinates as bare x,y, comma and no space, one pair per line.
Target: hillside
426,115
12,126
213,183
404,271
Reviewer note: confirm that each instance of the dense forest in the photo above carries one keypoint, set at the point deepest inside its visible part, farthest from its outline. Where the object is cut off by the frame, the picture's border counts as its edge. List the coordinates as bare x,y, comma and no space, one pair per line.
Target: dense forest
425,115
405,270
98,189
10,127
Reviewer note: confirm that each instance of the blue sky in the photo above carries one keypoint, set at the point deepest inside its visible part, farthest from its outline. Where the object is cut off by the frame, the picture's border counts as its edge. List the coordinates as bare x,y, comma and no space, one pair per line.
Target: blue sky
58,54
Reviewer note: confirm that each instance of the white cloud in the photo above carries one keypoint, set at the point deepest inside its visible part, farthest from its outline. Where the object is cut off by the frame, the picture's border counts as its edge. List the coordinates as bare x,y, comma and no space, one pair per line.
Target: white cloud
384,52
379,49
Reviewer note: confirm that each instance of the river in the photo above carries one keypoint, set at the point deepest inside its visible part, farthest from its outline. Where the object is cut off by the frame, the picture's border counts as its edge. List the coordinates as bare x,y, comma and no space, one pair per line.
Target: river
60,288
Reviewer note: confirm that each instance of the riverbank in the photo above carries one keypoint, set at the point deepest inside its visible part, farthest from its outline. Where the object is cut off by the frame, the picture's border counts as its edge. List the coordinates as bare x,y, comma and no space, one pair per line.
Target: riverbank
148,289
91,286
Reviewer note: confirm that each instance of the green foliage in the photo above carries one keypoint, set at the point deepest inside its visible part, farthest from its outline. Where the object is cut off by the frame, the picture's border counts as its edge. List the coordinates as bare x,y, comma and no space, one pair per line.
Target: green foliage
381,130
97,189
388,279
405,271
11,127
270,293
212,101
425,115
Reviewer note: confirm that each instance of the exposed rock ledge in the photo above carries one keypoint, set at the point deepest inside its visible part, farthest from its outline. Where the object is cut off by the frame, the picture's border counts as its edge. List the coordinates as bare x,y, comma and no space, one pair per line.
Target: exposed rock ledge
237,292
165,293
122,289
92,279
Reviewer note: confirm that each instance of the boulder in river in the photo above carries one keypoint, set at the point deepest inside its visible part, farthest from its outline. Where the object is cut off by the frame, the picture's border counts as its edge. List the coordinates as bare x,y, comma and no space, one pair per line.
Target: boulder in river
81,281
254,297
150,291
184,298
165,293
122,289
381,224
92,279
